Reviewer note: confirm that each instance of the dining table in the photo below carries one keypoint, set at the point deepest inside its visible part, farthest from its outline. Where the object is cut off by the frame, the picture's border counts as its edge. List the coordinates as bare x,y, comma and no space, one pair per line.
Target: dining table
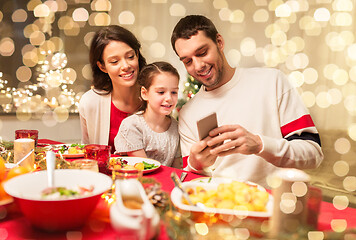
13,225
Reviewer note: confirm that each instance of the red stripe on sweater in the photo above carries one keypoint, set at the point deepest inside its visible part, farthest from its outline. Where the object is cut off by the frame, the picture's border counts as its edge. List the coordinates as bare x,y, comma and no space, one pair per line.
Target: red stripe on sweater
302,122
185,161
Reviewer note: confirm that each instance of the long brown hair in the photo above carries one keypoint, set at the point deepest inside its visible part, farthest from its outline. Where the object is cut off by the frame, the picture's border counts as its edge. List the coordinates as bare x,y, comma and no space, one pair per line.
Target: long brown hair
101,39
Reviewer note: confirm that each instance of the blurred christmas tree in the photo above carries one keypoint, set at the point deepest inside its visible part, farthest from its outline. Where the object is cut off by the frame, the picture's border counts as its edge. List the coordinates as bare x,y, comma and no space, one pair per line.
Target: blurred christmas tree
191,87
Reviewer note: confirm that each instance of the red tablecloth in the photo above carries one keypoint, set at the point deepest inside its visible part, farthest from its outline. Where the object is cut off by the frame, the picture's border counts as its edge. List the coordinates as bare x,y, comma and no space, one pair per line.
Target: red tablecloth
14,226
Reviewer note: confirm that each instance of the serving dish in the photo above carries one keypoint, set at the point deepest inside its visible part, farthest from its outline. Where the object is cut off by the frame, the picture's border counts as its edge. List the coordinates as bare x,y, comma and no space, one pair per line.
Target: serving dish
251,220
57,214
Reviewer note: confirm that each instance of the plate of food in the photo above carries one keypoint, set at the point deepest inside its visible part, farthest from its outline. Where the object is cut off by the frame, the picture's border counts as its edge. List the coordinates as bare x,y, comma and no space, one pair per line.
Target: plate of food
147,165
224,196
73,150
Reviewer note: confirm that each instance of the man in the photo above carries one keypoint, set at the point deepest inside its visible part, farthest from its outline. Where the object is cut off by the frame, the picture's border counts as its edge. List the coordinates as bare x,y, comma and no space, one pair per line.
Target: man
263,124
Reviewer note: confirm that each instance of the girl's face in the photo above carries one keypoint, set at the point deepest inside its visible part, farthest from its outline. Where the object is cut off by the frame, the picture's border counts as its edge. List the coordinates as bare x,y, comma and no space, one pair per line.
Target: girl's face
120,62
162,95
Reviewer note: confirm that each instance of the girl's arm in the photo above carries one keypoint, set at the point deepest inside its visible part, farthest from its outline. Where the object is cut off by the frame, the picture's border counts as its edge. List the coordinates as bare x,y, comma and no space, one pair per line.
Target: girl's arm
137,153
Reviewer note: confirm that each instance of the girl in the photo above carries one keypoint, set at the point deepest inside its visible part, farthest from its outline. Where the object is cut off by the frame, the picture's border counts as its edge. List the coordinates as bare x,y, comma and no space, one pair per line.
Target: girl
152,132
115,60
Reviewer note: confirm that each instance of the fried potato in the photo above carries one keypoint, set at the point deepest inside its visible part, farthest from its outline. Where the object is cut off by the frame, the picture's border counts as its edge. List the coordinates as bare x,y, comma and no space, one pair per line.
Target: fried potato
234,195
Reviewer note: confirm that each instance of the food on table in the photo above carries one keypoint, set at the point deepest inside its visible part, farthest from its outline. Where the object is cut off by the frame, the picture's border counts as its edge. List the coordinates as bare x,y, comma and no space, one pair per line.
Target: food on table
16,171
2,169
8,174
74,148
132,202
120,163
139,166
54,193
235,195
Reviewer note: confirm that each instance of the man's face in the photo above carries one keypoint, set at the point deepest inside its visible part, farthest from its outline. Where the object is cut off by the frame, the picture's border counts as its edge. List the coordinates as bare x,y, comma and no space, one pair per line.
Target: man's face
203,59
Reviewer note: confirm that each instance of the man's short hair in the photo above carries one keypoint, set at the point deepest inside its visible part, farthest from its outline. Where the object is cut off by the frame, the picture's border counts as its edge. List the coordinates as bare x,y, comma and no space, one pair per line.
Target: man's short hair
190,25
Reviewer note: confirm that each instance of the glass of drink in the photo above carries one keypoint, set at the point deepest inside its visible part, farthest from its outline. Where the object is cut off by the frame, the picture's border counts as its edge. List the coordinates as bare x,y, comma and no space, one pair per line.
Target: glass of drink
23,146
123,174
87,164
100,153
26,133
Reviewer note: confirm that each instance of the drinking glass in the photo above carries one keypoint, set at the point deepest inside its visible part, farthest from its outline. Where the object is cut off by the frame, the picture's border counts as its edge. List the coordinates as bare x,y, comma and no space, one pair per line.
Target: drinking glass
26,133
100,153
123,174
87,164
23,146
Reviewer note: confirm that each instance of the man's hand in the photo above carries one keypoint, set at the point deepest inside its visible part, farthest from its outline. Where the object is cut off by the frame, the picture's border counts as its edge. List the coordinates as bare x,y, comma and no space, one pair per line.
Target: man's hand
239,141
200,156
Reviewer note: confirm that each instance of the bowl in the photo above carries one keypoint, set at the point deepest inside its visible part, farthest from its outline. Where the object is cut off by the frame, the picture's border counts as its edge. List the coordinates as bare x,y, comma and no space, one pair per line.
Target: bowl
57,215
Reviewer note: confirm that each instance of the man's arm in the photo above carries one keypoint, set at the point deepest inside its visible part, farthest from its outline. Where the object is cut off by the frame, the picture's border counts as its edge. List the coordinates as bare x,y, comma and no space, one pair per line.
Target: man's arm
300,150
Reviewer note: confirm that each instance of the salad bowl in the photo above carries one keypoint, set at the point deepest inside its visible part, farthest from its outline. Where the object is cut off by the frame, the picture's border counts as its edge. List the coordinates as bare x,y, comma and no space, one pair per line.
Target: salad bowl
59,213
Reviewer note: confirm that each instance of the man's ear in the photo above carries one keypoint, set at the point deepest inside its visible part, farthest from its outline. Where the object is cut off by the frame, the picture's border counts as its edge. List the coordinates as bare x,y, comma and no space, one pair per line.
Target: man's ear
220,42
101,66
144,93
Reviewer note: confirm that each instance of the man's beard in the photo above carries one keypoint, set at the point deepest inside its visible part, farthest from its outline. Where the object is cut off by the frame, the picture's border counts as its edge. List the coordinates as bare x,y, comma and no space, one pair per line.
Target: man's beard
218,75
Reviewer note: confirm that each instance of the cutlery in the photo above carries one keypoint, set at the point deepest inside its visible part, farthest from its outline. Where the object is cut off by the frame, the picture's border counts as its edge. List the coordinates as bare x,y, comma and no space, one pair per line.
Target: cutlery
26,156
182,177
178,184
51,161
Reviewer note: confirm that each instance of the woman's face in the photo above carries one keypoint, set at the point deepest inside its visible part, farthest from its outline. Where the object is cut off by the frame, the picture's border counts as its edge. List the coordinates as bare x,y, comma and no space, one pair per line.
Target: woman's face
120,62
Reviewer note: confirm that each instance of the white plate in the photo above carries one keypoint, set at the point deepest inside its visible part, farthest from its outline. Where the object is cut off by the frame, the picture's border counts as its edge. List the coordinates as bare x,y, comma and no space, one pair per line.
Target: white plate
133,160
212,183
66,154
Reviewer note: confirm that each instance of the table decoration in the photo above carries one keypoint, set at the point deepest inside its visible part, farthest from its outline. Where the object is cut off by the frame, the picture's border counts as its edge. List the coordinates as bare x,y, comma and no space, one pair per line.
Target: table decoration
7,153
27,133
100,153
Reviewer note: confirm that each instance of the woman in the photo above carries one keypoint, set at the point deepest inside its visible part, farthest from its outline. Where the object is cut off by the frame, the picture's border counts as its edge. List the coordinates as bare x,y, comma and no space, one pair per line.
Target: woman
115,60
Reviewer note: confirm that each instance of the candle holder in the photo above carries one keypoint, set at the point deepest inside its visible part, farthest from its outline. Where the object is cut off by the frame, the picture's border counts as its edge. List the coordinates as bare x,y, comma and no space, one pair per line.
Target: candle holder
27,133
100,153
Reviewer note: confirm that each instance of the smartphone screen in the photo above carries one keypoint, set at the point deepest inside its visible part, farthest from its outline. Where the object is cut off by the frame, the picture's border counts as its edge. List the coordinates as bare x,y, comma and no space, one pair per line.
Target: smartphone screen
206,124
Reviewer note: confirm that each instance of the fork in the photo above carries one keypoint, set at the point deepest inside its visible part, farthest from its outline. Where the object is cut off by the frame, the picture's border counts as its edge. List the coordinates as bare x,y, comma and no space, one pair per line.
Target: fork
182,177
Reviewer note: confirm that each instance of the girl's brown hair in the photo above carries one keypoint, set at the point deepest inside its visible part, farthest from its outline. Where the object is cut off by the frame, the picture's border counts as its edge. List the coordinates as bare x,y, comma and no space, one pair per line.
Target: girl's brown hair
148,72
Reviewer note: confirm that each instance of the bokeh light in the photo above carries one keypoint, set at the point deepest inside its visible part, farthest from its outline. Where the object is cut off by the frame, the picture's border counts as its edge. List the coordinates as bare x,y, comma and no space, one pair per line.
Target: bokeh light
341,168
177,9
126,18
7,47
340,202
338,225
20,15
80,15
315,235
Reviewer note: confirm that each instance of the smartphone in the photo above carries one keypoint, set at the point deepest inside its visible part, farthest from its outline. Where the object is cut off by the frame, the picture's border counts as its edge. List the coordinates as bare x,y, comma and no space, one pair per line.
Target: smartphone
206,124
